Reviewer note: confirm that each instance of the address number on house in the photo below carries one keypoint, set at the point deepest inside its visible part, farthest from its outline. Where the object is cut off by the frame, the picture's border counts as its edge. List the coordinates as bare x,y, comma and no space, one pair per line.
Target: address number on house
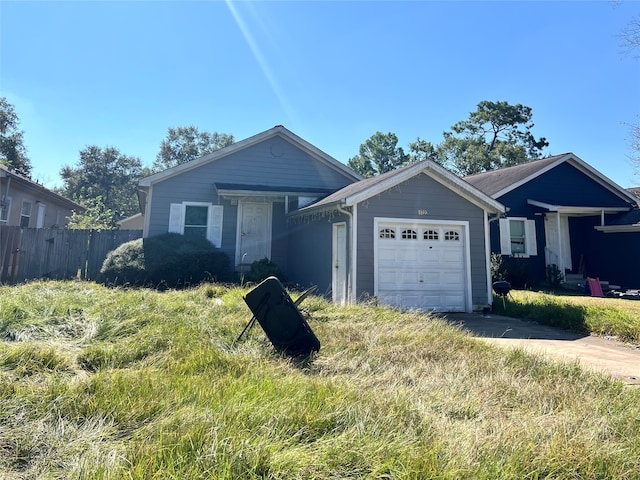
423,212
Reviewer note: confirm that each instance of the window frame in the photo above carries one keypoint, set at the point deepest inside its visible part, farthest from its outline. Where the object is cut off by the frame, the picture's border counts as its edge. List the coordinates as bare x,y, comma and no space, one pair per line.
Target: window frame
5,211
27,216
529,239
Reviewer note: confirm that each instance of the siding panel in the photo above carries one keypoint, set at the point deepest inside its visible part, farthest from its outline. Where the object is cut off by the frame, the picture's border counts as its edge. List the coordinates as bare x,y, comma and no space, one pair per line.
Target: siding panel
440,203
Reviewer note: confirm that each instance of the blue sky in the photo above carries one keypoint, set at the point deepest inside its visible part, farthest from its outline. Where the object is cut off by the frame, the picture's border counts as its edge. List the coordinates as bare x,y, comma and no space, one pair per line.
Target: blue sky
120,73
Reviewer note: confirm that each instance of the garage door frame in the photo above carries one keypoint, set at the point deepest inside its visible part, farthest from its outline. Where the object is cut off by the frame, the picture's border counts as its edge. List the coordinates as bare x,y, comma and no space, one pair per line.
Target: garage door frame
423,223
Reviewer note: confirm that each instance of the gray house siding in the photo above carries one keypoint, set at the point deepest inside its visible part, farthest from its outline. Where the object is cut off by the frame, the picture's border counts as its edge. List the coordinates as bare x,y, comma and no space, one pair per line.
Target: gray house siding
272,163
310,251
421,193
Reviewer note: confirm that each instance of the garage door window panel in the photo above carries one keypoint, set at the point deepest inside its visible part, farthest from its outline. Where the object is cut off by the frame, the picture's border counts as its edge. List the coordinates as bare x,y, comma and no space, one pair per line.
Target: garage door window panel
389,233
430,235
409,234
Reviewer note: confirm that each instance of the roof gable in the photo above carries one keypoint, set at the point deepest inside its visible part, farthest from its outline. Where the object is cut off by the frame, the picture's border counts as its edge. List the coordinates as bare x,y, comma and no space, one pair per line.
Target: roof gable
499,182
39,190
369,187
278,130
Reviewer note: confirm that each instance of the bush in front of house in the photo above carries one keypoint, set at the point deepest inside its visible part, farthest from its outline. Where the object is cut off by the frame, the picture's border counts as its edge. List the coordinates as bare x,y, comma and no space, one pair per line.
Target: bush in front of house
261,269
165,261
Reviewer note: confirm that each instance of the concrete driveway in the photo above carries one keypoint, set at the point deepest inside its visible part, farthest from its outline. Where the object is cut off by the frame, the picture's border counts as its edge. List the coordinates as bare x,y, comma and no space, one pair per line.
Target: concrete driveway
597,353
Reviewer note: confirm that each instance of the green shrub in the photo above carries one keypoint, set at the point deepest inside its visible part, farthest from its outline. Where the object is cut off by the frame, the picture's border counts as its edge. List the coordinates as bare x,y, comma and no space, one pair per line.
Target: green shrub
261,269
170,260
554,276
517,272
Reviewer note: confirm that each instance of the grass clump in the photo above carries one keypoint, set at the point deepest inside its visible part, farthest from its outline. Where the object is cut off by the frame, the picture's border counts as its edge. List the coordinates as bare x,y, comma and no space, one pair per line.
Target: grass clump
154,386
602,316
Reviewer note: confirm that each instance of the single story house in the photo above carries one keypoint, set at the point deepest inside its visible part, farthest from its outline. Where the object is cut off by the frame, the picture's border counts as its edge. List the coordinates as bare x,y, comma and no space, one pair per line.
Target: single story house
561,211
25,203
417,237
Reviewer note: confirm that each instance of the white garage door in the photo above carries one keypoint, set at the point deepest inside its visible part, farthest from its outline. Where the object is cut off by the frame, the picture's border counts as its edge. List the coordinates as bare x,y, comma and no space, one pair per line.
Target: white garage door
421,265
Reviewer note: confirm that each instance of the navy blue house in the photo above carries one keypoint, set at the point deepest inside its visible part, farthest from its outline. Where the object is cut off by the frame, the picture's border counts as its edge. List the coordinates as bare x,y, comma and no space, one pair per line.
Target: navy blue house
563,212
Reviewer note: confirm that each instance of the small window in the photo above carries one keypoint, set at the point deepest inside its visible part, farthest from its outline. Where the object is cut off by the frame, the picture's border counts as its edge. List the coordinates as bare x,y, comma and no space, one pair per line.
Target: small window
25,214
518,237
195,221
451,236
409,234
5,205
430,235
387,233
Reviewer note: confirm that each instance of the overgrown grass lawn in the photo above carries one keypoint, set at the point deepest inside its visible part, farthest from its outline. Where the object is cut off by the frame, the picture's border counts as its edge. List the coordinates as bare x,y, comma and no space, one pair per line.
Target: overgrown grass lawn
602,316
100,383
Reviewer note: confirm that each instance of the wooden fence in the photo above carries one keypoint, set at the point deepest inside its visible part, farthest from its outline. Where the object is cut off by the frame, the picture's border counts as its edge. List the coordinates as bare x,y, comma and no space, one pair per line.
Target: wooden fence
32,253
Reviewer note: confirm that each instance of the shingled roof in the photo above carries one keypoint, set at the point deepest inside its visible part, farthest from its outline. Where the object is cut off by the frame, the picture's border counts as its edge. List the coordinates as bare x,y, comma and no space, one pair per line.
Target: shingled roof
497,180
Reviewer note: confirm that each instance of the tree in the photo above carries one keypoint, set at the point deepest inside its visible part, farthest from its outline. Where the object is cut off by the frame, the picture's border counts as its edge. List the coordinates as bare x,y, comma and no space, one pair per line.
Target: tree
379,154
184,144
106,174
96,216
496,135
13,153
630,36
423,150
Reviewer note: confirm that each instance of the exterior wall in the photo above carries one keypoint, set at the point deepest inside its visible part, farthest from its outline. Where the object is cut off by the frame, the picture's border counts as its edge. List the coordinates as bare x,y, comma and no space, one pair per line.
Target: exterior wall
441,203
255,165
310,251
275,162
613,257
55,214
563,185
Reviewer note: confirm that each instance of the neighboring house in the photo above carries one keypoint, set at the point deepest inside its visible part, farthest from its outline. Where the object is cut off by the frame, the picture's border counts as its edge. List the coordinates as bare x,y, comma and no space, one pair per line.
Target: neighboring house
134,222
27,204
415,237
563,212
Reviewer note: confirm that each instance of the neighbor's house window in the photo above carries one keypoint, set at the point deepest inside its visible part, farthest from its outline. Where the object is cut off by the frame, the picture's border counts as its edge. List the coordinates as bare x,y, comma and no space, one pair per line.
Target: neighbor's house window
4,210
25,215
197,219
518,237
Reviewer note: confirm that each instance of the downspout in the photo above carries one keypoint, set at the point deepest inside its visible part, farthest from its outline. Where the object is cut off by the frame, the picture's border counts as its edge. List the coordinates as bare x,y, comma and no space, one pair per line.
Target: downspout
348,214
488,218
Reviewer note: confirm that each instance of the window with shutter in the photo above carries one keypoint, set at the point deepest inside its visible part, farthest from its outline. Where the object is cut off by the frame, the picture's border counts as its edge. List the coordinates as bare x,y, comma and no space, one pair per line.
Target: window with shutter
193,219
518,237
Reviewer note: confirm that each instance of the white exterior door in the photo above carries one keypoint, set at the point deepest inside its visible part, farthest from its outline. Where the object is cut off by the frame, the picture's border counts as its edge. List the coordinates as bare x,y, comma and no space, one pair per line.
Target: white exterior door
254,232
339,262
557,241
40,220
422,265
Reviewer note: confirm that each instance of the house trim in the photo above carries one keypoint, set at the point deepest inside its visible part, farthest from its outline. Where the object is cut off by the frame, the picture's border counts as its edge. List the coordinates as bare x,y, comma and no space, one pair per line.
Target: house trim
567,209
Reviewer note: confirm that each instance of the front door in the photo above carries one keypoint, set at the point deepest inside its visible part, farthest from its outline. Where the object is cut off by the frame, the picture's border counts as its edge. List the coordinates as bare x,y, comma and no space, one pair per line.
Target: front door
339,261
558,245
254,232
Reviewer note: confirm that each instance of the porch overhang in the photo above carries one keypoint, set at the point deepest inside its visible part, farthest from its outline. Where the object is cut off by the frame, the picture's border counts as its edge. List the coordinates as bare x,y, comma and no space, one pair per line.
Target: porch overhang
577,210
273,192
635,227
